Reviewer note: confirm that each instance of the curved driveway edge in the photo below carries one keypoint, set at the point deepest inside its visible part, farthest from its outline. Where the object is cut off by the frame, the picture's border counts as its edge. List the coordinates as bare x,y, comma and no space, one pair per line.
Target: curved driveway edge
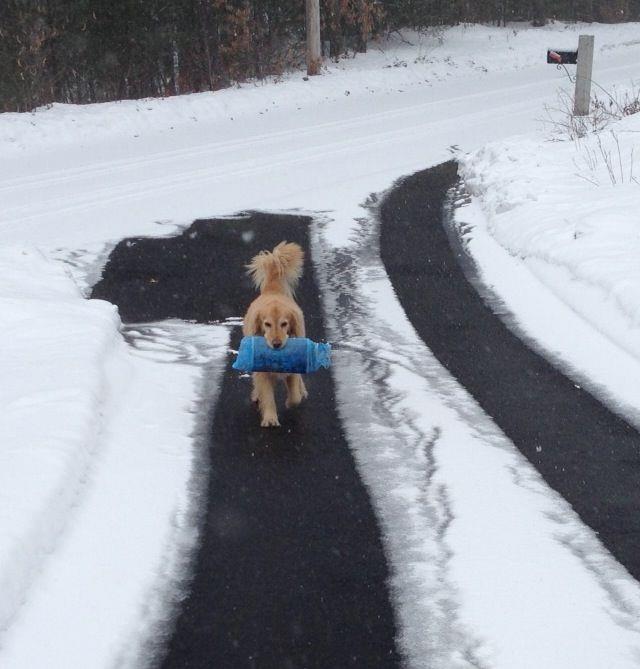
588,454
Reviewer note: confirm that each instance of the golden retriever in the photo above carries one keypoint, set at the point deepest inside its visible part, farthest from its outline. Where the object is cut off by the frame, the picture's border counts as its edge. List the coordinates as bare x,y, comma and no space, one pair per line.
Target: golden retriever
275,315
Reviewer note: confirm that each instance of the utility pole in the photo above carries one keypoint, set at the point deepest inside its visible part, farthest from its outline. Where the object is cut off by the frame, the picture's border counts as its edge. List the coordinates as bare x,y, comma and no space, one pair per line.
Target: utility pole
583,76
314,55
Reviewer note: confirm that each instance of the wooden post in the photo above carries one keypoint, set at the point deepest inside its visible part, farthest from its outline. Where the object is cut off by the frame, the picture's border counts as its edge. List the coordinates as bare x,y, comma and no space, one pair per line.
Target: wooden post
363,37
314,55
583,76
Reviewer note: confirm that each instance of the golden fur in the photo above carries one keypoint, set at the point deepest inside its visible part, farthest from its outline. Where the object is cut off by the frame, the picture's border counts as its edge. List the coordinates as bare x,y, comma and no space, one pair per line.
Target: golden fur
275,315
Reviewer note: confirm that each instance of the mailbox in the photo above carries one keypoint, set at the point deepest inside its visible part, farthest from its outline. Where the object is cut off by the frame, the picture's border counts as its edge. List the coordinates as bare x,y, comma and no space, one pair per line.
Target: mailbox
582,77
558,57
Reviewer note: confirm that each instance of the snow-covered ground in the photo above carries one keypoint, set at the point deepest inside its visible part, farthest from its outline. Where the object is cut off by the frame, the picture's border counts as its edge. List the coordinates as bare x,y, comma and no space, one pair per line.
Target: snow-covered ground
562,217
100,425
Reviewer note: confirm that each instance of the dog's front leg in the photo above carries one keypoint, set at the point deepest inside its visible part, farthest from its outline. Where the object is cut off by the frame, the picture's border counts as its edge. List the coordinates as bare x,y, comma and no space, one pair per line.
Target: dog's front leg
263,392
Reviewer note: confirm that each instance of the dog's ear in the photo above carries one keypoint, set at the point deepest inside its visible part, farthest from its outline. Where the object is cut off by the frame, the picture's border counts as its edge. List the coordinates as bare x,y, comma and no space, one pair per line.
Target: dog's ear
252,325
297,324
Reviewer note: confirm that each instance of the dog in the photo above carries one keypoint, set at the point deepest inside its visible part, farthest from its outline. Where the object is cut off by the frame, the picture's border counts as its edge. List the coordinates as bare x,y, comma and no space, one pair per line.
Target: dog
275,315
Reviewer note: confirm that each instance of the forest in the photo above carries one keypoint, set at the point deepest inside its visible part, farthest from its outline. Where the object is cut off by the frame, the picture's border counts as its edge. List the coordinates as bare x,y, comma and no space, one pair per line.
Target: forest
80,51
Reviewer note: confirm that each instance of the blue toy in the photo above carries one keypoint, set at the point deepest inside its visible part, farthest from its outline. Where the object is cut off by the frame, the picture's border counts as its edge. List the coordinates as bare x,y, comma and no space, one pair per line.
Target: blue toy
298,356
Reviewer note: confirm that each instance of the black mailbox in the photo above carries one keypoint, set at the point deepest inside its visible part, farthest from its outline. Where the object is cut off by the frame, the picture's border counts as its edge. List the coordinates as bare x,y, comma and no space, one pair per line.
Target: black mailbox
562,57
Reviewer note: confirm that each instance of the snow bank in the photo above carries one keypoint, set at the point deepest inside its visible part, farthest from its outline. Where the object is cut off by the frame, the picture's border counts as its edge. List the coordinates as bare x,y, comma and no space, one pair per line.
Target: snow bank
55,353
554,224
99,468
107,591
569,205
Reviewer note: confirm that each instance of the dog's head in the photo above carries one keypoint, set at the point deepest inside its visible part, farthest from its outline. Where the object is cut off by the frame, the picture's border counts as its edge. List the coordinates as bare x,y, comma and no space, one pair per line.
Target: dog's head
277,322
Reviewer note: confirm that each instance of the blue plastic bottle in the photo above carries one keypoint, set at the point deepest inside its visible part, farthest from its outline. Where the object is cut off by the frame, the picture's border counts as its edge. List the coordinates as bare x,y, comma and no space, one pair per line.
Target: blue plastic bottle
298,356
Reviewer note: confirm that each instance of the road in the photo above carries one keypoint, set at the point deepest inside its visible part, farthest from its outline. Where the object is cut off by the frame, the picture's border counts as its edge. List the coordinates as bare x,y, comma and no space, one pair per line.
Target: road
325,161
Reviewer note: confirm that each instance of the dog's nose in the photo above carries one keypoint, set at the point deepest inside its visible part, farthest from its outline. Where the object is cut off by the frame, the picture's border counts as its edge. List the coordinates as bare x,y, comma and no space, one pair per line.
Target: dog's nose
276,343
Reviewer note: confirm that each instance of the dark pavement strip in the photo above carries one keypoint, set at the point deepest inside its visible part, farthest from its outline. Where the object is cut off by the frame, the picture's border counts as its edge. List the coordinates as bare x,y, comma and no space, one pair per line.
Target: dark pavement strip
290,571
584,451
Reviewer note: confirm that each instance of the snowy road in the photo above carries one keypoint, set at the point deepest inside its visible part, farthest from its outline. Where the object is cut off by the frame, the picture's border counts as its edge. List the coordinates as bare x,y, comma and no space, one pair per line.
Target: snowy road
234,165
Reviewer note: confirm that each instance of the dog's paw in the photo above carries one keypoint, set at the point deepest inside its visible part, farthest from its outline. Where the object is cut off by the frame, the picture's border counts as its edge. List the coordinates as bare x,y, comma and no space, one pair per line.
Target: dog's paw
294,400
270,420
296,393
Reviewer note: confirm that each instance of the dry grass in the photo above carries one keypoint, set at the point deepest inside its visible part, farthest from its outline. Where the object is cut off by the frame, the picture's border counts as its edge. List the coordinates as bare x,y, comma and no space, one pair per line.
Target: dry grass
603,111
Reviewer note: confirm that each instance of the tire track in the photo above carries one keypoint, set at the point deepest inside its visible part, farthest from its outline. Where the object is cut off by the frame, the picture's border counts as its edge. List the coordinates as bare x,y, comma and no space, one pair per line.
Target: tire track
253,142
588,454
206,175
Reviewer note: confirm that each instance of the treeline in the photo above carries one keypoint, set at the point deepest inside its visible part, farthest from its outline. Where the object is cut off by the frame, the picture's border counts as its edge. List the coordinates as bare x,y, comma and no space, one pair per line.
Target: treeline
428,13
98,50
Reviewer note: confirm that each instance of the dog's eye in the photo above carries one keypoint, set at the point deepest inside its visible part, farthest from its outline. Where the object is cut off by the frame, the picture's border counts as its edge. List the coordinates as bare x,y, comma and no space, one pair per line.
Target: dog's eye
284,324
267,324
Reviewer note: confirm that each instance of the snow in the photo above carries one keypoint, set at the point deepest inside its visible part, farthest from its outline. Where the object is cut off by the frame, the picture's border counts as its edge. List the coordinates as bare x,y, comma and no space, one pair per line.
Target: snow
102,425
56,353
95,430
549,213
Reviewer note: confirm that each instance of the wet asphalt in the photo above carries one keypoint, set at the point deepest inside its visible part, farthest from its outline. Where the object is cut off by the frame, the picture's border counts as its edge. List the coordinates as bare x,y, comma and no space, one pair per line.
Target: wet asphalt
584,451
290,572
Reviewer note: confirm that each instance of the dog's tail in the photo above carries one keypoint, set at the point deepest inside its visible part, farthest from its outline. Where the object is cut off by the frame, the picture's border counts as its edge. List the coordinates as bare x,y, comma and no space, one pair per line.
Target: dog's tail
278,270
